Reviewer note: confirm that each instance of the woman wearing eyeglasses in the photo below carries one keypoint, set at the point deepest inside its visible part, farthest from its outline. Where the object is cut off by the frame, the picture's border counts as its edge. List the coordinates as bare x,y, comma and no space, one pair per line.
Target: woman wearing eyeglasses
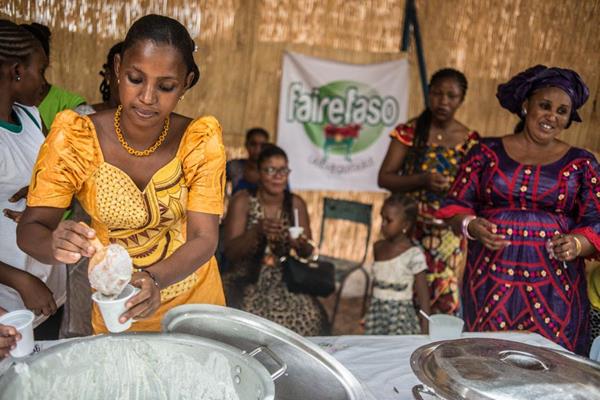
256,236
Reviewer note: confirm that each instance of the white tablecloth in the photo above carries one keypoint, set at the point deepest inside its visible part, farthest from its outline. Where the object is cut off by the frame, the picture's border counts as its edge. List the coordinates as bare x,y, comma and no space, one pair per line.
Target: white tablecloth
381,363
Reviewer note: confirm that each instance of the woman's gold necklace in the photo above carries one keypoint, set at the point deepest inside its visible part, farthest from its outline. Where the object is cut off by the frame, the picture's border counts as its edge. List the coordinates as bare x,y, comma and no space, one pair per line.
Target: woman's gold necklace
131,150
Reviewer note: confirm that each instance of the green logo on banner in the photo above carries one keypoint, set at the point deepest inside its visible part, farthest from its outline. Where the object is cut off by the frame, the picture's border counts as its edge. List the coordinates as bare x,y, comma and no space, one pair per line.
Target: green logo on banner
341,117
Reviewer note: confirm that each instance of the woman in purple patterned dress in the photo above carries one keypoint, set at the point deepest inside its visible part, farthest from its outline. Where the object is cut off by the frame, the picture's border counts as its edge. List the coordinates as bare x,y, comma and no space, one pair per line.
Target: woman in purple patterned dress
530,204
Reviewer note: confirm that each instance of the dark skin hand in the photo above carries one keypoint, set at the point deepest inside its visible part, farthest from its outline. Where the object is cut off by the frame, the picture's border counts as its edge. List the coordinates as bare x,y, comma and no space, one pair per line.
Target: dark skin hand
239,242
274,231
388,173
12,214
487,233
564,247
35,294
272,228
146,302
302,245
9,336
423,300
482,230
71,241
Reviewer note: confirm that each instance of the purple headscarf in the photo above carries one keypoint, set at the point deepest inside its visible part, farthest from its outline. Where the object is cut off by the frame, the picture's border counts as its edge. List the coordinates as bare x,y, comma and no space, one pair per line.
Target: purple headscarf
513,93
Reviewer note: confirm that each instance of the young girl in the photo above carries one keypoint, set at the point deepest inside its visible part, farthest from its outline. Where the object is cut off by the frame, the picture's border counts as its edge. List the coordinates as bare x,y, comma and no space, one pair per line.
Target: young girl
399,265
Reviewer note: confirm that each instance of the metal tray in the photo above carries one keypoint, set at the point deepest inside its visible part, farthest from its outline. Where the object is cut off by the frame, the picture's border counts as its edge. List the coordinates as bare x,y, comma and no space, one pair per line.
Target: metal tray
311,372
482,368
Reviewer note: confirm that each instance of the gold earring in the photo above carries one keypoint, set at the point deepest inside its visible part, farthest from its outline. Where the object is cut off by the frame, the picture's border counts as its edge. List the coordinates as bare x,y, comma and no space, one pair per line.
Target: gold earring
182,97
118,81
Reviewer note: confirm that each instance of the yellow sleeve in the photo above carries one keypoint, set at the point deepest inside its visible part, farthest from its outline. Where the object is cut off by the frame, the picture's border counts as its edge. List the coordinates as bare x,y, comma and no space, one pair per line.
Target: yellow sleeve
65,161
203,159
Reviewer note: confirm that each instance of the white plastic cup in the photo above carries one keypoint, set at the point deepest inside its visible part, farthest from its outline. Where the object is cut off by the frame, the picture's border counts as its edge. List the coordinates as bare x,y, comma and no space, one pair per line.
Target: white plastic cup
445,327
296,231
111,309
22,320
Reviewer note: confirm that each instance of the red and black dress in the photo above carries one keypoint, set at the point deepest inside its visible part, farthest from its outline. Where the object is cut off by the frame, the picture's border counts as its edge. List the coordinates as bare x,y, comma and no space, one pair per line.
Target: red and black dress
520,287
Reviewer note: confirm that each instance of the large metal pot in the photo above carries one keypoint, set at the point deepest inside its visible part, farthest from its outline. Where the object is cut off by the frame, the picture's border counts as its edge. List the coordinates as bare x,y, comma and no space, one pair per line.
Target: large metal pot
312,374
142,366
492,369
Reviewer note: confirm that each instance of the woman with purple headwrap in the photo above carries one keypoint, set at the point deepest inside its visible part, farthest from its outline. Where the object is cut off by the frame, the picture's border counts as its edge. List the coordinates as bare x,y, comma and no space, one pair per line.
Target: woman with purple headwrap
530,205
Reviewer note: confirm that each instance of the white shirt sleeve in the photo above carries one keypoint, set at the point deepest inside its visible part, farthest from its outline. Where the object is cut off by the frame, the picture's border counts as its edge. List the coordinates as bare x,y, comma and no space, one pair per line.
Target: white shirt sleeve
418,262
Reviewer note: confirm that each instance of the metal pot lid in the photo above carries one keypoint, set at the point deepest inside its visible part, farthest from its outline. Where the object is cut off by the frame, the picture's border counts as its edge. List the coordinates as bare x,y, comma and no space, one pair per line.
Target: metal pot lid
481,368
311,372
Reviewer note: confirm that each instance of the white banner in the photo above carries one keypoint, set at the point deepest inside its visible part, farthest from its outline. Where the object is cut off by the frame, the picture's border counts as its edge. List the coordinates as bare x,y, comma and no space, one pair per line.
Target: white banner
334,120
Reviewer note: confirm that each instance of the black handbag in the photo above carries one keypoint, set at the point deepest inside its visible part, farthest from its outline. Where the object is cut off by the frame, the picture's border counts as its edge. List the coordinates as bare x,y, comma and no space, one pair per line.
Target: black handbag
313,277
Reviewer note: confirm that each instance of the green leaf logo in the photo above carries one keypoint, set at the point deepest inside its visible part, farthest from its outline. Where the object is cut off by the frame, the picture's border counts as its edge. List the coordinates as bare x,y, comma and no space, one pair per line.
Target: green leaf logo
342,117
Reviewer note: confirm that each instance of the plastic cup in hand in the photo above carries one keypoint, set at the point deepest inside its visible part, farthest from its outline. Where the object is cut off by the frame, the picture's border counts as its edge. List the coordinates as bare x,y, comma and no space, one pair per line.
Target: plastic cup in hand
445,327
22,320
296,231
112,308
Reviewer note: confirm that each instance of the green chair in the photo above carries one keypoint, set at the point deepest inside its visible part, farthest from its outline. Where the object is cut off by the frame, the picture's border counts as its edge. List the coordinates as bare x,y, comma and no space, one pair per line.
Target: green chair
360,213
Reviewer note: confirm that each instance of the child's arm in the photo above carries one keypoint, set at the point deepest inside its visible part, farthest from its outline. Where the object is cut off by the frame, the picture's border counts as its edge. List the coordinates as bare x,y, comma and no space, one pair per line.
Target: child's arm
35,294
422,290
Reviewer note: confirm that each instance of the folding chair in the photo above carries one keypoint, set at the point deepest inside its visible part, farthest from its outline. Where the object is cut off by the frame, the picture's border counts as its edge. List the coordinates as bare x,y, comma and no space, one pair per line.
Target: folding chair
360,213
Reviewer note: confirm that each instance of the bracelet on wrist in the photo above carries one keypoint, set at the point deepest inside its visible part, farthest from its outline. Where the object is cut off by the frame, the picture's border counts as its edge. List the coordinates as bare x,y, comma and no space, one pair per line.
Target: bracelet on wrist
465,226
578,246
152,276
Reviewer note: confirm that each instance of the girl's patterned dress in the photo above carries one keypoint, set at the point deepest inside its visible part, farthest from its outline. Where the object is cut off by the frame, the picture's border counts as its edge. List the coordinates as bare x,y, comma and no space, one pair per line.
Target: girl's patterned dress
391,311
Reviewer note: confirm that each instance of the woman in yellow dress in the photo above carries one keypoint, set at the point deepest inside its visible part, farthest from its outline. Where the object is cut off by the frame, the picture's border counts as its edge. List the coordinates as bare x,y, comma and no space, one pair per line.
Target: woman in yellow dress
151,180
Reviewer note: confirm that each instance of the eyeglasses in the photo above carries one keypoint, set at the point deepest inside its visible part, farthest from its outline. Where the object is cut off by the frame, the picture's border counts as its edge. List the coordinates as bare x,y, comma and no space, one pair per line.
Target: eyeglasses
272,171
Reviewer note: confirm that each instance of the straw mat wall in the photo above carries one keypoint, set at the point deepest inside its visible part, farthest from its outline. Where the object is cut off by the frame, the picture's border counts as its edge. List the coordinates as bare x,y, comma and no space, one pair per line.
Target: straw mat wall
241,43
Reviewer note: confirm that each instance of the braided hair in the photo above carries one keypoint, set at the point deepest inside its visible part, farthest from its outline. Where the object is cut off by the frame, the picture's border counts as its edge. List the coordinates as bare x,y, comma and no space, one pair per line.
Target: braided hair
164,30
408,205
423,123
109,66
16,43
41,33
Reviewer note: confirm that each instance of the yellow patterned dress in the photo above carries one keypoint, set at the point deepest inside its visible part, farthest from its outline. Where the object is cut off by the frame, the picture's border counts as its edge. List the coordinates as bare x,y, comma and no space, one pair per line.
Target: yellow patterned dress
151,223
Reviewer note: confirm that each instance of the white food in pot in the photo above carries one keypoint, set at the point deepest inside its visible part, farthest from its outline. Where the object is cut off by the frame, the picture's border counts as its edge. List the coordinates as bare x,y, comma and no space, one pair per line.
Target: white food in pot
115,369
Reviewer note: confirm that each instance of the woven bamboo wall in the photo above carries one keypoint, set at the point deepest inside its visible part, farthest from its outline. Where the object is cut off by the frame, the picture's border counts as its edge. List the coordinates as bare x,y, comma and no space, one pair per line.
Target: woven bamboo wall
241,42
